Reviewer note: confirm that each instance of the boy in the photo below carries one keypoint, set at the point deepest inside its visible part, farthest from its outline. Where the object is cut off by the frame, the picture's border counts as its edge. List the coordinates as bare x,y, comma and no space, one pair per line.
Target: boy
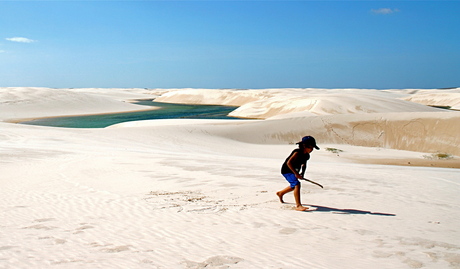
297,162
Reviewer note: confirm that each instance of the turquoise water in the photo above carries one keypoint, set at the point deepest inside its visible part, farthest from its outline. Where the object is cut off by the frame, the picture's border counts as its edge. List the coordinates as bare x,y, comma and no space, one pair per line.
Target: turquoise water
167,111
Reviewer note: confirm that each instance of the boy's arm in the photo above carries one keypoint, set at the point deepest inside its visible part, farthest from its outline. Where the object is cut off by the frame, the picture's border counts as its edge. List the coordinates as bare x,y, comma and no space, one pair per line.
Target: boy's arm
289,164
304,168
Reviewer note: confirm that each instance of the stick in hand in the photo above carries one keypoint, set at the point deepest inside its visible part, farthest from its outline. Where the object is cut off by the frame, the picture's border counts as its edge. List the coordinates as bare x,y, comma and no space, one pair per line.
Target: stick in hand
311,181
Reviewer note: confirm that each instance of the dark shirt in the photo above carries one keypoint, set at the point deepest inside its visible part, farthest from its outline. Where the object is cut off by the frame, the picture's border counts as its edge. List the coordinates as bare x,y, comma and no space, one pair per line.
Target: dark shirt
296,163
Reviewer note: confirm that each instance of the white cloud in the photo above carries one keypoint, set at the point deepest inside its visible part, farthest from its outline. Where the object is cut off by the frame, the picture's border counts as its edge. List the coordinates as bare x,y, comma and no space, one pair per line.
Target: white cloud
385,11
20,39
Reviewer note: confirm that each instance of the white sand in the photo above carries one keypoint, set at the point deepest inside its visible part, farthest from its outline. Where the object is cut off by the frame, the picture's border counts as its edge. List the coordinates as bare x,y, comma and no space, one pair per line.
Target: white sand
200,193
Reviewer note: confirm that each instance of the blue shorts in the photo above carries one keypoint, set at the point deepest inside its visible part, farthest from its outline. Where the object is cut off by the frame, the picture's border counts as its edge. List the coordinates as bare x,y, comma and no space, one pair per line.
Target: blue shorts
292,179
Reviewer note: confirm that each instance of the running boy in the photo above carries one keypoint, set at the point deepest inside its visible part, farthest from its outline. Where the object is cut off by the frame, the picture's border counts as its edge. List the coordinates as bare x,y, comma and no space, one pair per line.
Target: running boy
294,168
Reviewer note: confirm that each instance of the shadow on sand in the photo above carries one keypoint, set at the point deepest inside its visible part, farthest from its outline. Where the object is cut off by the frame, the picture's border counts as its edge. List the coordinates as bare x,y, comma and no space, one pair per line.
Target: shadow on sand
347,211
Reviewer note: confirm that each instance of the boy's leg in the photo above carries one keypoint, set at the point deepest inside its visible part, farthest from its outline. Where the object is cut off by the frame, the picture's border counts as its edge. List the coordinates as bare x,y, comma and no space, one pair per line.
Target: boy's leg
298,203
283,192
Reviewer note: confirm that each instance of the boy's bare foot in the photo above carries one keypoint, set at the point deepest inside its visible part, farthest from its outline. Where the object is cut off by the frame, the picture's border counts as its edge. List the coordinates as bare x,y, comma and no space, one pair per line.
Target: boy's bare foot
301,208
280,196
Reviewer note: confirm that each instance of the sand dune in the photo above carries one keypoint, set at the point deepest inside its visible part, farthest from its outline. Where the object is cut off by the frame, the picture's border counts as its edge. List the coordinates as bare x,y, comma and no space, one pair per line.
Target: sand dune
36,102
449,98
268,103
368,118
327,105
200,193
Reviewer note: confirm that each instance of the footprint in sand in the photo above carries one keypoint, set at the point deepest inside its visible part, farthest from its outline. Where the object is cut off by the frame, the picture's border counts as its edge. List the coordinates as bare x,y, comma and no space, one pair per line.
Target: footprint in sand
288,230
7,247
83,227
40,227
116,249
45,220
216,261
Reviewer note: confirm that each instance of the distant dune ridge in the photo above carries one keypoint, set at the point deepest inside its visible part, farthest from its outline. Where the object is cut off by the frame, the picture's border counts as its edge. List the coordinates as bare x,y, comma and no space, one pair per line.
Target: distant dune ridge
267,103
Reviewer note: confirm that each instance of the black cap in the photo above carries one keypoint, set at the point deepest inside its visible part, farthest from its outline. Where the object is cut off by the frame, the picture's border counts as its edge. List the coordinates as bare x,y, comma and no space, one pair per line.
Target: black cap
309,141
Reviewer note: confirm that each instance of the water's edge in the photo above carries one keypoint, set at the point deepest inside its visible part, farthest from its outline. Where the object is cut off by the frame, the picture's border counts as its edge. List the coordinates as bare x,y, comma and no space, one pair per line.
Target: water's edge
165,111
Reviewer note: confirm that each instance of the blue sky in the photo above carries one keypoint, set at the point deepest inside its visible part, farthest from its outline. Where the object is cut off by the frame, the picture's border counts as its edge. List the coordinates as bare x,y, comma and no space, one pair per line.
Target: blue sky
230,44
